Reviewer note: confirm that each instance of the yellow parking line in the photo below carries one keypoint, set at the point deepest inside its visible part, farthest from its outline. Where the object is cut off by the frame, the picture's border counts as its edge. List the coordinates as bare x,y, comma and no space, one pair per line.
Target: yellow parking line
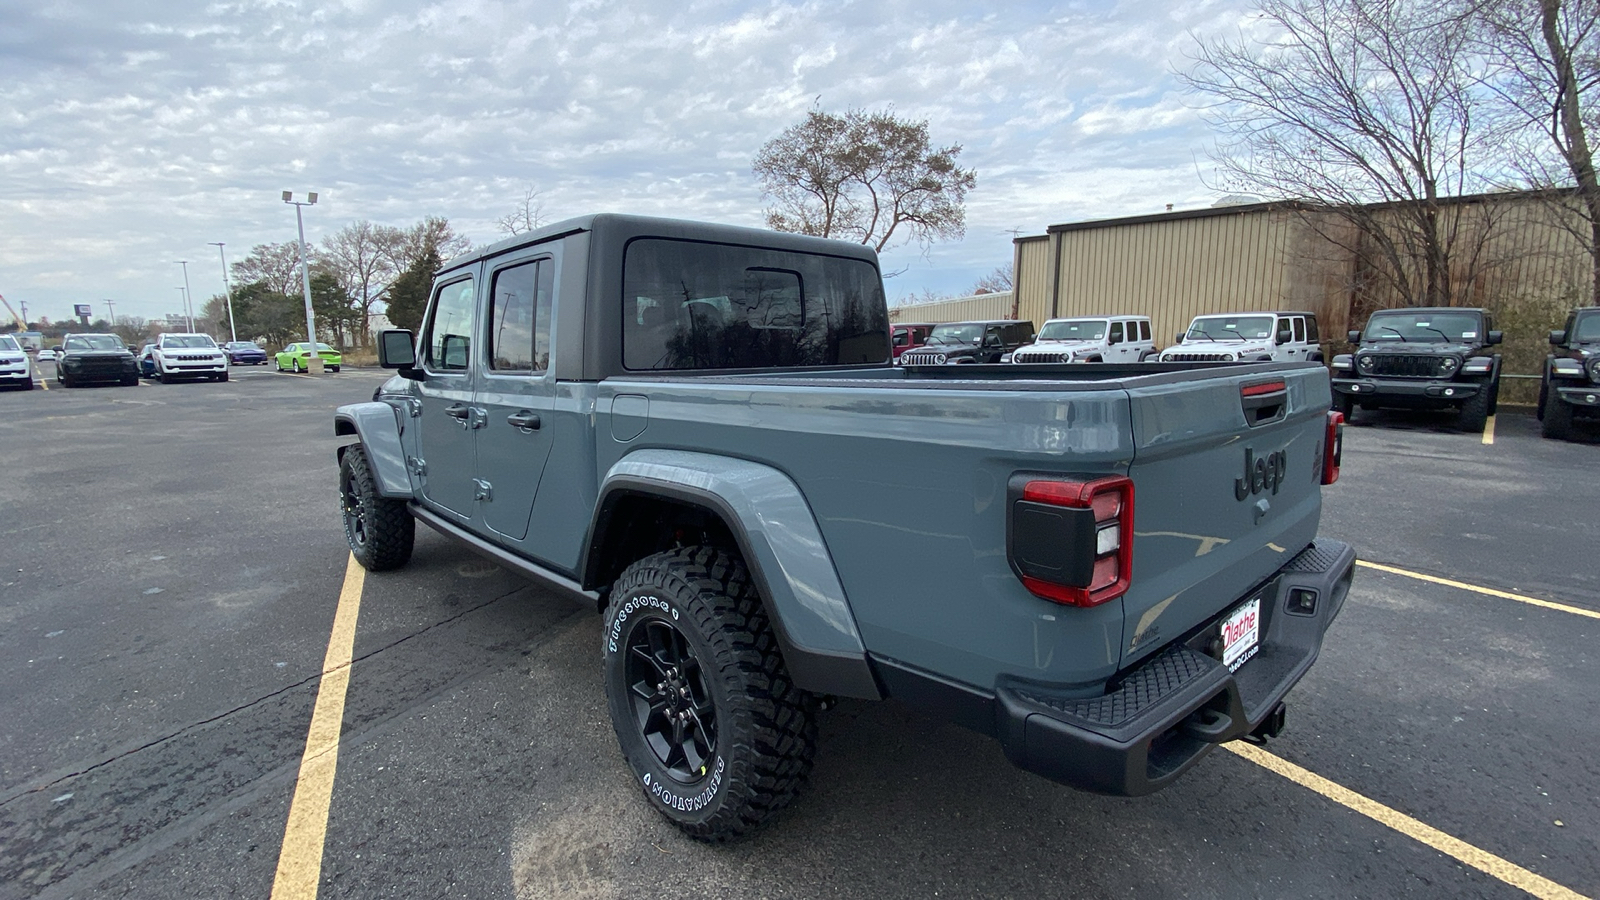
300,860
1488,431
1490,592
1479,859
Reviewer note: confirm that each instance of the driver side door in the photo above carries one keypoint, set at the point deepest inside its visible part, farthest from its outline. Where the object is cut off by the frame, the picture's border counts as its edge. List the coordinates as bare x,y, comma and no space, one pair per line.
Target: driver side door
445,429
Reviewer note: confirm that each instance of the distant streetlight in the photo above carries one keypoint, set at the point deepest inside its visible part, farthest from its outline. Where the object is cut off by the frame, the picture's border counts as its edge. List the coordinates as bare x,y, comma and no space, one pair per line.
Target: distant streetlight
184,293
226,291
188,307
313,358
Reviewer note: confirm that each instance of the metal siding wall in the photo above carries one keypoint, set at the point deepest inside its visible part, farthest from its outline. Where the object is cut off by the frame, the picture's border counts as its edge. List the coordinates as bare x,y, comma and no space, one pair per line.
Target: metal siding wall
1033,275
965,309
1175,270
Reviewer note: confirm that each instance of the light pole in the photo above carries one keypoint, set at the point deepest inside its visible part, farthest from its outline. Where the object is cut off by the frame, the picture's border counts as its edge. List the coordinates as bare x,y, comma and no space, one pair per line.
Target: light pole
188,306
111,312
226,291
184,293
313,357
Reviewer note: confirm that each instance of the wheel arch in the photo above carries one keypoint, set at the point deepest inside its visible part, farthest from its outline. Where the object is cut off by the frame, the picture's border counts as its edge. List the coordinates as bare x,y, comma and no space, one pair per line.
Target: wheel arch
377,427
652,498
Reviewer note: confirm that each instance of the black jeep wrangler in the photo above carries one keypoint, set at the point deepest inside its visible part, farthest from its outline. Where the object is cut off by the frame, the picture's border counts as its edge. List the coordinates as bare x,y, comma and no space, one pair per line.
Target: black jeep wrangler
1422,358
1571,385
955,343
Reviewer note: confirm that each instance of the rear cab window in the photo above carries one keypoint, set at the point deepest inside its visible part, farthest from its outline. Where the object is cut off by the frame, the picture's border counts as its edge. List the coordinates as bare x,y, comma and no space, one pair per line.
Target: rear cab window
699,305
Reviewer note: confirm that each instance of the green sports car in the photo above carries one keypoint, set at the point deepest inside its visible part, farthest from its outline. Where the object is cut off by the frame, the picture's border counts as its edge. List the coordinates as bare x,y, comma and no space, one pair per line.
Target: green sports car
295,358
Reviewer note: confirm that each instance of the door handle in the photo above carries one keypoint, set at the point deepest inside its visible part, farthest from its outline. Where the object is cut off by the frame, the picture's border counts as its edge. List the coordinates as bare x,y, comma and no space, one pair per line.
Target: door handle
458,411
524,419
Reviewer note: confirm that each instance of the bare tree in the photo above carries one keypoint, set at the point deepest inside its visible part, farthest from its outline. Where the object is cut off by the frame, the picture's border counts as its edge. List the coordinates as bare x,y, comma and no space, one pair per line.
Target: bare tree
1548,76
278,265
1365,113
528,215
997,282
866,177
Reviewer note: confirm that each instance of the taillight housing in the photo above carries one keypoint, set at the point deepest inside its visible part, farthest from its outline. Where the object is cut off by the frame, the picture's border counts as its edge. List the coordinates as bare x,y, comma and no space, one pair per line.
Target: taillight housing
1332,447
1072,541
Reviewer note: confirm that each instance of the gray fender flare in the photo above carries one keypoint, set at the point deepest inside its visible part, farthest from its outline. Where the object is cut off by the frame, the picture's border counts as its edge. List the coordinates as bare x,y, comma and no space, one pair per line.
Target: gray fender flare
782,547
378,427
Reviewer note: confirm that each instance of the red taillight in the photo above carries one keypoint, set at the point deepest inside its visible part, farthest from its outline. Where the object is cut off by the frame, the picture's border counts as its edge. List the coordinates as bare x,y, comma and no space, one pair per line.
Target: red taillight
1332,447
1110,502
1265,387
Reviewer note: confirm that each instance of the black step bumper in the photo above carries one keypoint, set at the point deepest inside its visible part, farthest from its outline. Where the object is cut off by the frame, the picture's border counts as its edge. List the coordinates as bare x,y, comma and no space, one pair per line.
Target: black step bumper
1168,712
1414,392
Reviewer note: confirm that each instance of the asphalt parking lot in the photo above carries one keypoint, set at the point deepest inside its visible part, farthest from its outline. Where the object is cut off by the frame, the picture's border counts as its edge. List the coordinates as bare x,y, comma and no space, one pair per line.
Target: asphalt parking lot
171,561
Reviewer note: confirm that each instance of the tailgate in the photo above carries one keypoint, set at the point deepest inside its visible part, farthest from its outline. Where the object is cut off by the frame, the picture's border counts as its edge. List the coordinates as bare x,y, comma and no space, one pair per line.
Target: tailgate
1205,530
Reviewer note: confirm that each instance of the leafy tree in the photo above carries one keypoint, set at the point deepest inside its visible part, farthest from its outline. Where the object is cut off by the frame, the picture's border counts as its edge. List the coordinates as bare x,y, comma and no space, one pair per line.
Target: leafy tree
408,296
1354,103
867,177
262,313
335,313
1548,79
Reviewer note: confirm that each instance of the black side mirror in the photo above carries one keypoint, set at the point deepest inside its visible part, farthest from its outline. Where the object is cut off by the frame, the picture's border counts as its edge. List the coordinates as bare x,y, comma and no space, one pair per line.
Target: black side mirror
1178,339
57,349
1285,336
1354,337
1558,337
1495,337
397,349
1114,339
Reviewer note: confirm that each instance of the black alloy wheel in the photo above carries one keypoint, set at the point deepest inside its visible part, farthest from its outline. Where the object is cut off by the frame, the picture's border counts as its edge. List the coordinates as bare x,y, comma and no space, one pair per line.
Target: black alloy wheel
380,530
671,703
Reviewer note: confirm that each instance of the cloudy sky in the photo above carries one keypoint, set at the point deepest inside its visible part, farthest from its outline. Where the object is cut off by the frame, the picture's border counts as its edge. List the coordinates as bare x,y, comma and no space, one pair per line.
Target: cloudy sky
133,133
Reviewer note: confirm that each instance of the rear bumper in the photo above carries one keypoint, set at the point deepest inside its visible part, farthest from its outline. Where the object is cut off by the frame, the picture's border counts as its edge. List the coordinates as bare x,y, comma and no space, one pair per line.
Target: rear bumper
1172,709
1411,391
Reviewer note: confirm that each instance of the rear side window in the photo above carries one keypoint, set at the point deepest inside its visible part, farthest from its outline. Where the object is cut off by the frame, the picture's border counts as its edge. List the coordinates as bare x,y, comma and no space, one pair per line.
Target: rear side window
1144,331
694,305
1299,330
519,317
449,340
1311,330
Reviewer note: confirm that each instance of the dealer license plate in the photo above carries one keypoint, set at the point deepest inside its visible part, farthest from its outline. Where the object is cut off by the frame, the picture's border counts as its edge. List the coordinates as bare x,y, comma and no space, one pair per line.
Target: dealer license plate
1241,633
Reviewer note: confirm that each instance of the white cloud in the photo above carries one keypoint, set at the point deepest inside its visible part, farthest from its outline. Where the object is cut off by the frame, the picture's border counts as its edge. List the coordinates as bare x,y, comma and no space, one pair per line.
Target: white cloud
133,134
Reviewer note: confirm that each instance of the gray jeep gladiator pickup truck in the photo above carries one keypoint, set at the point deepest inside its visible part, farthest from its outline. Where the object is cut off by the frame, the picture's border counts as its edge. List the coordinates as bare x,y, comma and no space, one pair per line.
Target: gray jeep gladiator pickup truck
698,430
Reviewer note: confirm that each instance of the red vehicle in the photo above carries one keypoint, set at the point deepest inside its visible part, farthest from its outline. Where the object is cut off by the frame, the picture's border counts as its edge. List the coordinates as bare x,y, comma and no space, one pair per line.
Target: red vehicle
906,335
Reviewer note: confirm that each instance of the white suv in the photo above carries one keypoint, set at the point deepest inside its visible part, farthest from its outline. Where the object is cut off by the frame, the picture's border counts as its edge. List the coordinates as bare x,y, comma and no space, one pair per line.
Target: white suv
1248,337
14,367
178,356
1110,339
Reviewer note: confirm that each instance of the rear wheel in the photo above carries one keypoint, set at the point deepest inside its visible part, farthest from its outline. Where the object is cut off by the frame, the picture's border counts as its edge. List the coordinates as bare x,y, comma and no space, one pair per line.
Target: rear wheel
295,365
380,529
717,734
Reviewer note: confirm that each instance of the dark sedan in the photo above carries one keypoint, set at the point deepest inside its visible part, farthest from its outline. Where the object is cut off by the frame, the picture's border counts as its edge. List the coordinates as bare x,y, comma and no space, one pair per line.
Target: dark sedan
83,358
244,353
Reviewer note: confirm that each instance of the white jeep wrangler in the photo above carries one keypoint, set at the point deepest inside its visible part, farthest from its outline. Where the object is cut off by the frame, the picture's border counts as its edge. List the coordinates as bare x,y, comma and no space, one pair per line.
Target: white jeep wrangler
1110,339
1248,337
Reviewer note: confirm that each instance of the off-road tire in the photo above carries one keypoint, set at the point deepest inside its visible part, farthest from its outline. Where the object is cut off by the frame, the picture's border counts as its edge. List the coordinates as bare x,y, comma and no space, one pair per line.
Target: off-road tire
1475,411
1557,424
380,530
1344,403
1544,397
758,754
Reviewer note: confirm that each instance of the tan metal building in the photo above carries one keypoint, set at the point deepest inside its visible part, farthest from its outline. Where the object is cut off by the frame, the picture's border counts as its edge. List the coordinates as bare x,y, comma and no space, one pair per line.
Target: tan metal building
1515,253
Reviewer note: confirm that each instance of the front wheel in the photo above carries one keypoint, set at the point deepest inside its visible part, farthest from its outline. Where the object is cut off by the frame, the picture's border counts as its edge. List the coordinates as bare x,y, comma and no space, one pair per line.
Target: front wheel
1557,423
380,529
1475,411
716,733
1344,403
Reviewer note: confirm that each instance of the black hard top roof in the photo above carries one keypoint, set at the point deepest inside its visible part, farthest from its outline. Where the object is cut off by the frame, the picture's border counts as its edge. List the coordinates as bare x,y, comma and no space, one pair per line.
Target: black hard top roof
630,225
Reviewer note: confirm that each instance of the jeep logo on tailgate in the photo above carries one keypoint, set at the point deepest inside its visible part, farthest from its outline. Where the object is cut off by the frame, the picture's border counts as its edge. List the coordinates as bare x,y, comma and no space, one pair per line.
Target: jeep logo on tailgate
1261,473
